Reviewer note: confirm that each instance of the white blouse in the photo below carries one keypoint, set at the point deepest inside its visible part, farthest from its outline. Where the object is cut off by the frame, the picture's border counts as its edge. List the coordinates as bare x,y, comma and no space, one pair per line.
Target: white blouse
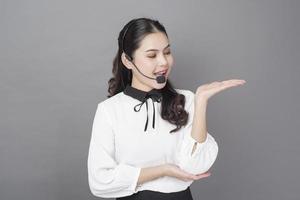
120,147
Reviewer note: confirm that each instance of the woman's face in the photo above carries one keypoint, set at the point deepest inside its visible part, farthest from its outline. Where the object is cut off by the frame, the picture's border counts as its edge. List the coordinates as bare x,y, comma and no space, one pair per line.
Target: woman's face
153,55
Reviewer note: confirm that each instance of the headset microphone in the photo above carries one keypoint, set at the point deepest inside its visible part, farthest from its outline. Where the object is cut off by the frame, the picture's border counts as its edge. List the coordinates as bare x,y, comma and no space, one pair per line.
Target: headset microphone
161,79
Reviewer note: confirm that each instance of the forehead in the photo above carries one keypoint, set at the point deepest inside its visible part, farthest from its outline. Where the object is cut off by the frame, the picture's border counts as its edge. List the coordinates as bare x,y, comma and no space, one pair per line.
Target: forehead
154,41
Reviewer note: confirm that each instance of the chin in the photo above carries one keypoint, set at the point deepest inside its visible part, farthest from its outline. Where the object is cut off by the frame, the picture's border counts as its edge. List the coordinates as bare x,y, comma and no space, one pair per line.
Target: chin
160,85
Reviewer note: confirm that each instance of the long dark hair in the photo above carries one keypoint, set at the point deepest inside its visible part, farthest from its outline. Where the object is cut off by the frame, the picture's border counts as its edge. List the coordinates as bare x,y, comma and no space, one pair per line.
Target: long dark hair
135,30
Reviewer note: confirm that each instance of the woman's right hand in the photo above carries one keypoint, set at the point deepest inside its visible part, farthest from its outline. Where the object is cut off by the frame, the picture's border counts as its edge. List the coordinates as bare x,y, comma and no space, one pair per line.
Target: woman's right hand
175,171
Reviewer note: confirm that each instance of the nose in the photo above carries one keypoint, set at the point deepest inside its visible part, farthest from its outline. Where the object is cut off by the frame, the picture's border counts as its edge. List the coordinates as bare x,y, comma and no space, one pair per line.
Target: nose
162,61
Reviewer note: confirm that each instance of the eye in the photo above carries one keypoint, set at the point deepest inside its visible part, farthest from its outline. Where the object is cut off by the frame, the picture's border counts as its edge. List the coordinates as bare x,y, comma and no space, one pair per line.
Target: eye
151,56
167,51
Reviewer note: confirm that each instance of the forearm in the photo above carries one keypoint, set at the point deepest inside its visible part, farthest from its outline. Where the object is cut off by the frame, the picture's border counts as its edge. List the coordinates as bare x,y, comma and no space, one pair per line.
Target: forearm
199,130
151,173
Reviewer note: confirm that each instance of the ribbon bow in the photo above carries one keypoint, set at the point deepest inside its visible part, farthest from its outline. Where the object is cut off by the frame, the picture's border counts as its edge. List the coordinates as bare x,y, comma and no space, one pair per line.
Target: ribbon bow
155,96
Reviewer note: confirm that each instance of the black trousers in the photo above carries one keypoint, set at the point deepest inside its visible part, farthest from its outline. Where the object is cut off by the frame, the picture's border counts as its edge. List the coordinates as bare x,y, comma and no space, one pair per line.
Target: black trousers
154,195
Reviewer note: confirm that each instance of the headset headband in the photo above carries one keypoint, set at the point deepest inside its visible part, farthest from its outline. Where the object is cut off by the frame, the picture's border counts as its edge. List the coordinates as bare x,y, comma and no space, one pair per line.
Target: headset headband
123,37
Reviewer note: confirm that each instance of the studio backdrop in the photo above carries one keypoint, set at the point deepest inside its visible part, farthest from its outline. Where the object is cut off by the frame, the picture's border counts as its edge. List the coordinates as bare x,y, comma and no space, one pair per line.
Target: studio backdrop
56,59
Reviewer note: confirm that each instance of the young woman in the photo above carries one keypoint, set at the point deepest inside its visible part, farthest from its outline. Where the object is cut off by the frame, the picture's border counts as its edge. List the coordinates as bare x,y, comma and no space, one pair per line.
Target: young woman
149,140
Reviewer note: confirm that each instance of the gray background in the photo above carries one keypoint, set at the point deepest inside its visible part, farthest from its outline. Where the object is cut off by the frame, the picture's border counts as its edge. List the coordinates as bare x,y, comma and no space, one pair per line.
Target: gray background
56,58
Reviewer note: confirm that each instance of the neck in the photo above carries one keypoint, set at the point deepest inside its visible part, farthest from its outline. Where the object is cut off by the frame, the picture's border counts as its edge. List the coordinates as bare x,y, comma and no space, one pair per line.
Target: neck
138,85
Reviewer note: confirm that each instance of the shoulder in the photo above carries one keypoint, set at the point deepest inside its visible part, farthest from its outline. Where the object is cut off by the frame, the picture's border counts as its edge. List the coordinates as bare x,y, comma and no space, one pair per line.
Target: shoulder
107,108
111,102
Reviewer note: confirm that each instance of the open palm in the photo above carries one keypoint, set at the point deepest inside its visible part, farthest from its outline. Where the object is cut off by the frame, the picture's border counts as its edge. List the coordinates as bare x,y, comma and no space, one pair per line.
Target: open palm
177,172
208,90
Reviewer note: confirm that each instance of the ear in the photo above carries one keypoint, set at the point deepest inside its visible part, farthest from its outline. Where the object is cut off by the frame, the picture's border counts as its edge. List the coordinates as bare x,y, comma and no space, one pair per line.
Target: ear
126,62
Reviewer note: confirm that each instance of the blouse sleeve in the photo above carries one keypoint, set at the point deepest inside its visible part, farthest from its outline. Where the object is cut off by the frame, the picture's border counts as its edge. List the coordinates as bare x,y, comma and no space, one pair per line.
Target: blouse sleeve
205,153
106,177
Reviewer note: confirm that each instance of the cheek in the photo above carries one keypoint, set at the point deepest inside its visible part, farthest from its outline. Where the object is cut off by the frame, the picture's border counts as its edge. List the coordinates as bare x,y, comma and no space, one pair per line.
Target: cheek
170,61
146,65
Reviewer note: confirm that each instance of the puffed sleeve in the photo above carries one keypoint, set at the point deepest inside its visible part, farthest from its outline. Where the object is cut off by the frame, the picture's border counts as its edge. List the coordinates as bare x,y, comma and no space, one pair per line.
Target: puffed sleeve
106,177
205,153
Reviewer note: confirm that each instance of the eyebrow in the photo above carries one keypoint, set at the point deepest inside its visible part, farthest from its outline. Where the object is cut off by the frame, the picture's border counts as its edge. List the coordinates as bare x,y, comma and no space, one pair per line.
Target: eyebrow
157,49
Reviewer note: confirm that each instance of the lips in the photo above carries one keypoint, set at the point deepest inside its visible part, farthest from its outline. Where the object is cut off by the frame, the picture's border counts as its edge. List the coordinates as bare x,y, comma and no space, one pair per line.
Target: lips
162,72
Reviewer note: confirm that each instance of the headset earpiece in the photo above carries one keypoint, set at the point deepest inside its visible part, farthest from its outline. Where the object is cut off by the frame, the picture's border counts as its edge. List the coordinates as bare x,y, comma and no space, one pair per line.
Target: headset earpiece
128,58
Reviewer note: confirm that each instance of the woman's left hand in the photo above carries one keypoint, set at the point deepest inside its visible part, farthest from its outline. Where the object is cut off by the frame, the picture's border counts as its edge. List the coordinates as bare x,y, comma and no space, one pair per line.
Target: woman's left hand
204,92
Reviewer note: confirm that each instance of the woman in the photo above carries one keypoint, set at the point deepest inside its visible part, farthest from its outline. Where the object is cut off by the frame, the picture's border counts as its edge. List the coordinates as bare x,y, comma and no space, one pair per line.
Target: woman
134,156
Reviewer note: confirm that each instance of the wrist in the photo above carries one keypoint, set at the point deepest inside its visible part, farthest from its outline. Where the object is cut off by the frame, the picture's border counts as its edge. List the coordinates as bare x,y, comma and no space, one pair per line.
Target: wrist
200,103
200,98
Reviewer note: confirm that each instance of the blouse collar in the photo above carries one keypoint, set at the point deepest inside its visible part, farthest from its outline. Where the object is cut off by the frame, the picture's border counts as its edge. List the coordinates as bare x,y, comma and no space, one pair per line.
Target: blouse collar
142,96
154,94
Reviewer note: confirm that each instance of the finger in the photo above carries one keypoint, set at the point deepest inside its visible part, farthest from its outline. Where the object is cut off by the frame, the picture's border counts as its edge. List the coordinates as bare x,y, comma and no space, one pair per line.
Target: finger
190,176
203,175
224,84
230,84
199,176
237,81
